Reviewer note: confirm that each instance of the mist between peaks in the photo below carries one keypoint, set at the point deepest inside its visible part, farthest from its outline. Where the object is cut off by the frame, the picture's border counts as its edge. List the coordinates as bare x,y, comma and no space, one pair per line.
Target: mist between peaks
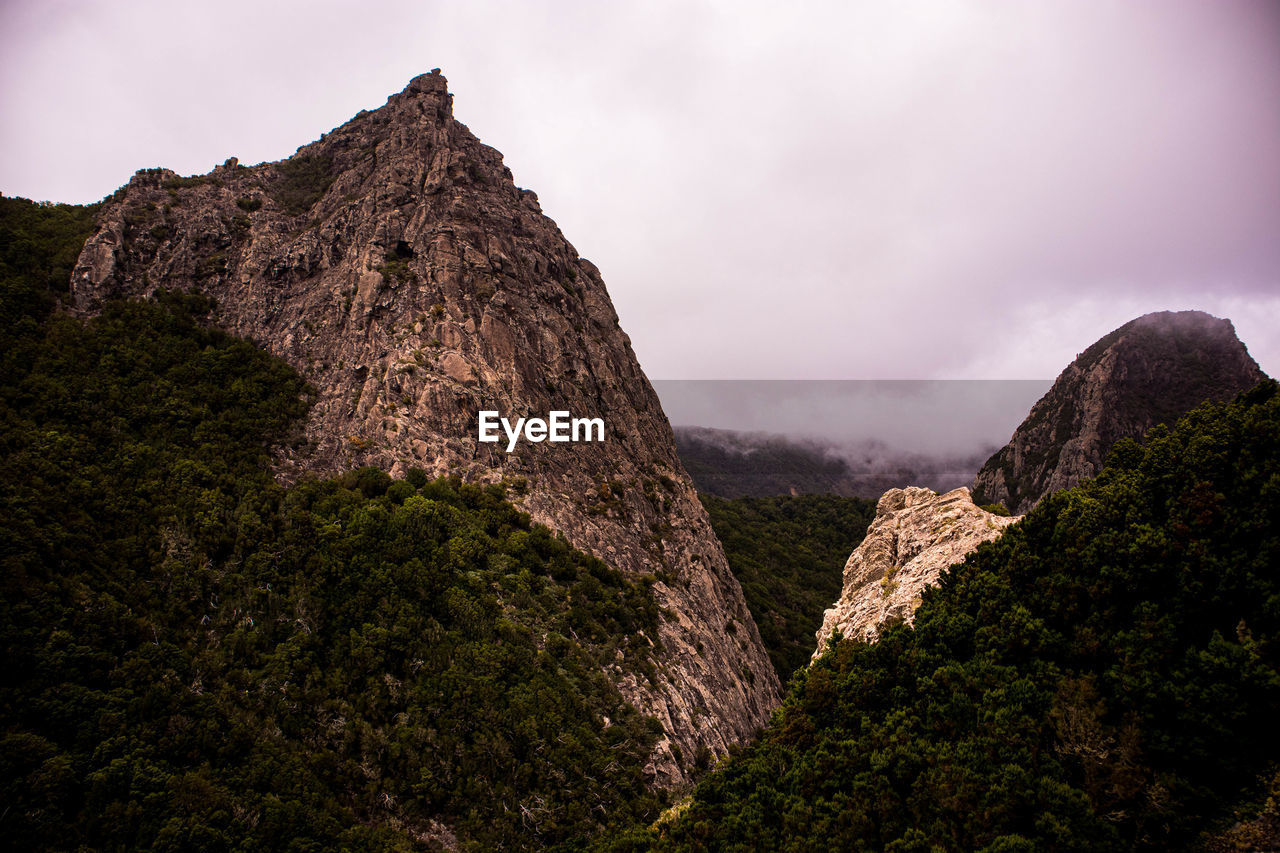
558,426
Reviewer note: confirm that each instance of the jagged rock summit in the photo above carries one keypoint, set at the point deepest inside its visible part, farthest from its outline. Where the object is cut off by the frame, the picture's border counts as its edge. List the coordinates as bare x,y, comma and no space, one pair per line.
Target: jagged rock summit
915,535
396,264
1148,371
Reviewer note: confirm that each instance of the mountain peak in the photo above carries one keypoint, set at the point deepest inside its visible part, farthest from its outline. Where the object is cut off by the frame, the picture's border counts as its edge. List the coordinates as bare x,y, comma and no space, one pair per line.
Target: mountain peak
431,87
397,266
1149,371
432,81
1191,318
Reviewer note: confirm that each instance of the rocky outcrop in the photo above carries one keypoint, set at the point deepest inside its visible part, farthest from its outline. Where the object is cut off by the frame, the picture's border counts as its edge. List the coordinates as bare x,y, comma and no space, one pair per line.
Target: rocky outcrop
1149,371
915,535
395,263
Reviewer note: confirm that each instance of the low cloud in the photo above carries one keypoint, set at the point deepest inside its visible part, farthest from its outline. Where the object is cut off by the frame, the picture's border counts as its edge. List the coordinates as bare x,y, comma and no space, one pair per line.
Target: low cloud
853,418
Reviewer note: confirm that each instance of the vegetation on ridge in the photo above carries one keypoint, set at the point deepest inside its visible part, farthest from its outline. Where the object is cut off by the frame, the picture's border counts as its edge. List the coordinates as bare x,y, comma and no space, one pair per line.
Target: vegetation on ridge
303,180
39,245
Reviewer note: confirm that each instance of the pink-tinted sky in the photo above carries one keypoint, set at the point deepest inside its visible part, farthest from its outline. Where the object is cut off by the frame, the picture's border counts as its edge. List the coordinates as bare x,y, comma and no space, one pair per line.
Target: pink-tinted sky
804,190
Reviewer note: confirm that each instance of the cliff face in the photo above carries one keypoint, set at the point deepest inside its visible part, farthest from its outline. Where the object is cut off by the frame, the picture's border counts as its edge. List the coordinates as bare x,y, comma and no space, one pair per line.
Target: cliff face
916,534
1149,371
395,263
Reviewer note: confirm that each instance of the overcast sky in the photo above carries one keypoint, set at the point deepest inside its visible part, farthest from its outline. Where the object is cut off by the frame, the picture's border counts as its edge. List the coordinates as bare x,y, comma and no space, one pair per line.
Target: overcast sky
835,190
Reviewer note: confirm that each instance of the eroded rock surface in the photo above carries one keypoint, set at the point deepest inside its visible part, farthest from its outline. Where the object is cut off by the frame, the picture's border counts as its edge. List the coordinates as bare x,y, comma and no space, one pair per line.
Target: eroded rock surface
396,264
915,535
1149,371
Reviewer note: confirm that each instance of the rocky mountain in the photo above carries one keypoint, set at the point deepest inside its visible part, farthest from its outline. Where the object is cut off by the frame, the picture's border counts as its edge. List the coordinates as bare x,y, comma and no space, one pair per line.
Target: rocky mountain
916,534
1148,371
731,464
395,263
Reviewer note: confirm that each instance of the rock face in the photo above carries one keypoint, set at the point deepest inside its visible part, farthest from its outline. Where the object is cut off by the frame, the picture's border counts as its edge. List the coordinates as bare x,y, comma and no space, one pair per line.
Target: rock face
916,534
1149,371
395,263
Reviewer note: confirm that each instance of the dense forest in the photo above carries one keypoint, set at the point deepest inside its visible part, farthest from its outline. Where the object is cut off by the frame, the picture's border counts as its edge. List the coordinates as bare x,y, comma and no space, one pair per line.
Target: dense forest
788,553
197,658
1102,677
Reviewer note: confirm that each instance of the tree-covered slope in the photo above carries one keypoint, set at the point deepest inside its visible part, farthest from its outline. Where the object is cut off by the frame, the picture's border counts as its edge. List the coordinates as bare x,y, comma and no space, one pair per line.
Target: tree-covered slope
198,659
788,553
39,244
1102,677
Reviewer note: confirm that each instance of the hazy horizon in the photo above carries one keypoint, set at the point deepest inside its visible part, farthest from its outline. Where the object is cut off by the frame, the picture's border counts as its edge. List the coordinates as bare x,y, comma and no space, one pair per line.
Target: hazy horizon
932,417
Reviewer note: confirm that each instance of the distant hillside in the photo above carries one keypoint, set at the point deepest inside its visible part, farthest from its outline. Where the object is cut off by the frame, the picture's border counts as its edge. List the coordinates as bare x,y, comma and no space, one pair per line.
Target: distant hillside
1148,371
733,464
